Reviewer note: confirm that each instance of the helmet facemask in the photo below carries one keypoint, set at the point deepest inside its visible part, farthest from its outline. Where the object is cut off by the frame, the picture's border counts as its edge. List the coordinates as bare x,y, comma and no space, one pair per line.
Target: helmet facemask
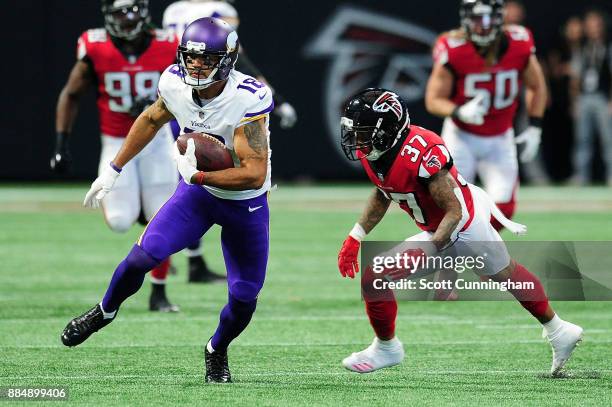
201,68
125,19
482,21
369,142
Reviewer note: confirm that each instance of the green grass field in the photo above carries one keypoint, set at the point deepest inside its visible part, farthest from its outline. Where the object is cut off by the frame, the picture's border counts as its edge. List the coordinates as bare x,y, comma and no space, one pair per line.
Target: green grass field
56,259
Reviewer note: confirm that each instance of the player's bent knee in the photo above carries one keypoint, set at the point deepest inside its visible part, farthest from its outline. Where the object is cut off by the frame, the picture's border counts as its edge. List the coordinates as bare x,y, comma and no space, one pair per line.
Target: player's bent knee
504,274
139,260
119,224
156,245
244,291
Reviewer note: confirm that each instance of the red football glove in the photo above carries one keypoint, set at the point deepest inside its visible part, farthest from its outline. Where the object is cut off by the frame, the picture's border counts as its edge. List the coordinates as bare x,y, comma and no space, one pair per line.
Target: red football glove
347,258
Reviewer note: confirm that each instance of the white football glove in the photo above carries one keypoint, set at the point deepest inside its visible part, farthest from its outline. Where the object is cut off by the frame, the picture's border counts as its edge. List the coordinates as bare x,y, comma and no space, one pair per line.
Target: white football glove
186,163
287,114
100,187
473,112
531,138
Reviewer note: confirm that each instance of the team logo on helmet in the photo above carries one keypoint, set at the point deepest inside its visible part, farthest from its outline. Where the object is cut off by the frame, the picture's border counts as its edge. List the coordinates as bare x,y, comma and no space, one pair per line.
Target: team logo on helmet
388,102
370,50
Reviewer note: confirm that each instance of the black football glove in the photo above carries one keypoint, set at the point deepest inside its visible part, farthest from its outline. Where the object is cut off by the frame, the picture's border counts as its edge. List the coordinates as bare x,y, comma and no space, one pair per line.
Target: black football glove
61,160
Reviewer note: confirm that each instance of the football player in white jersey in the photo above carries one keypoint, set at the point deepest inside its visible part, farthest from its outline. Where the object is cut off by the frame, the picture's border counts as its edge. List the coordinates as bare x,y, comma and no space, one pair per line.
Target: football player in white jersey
179,14
202,92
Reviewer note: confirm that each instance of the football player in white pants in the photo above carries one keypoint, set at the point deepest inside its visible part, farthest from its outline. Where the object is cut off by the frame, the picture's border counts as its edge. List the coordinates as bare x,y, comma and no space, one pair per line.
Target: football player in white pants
478,72
411,166
123,61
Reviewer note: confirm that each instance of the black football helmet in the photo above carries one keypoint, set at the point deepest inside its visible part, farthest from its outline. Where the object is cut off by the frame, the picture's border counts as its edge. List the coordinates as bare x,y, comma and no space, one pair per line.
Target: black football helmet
482,20
373,122
126,19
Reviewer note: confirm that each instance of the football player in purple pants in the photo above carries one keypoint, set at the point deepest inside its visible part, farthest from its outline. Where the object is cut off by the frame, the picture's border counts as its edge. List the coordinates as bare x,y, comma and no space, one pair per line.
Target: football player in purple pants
204,93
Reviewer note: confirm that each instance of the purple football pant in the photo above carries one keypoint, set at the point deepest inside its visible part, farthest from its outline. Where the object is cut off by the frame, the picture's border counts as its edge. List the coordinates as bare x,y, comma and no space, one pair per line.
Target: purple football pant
183,219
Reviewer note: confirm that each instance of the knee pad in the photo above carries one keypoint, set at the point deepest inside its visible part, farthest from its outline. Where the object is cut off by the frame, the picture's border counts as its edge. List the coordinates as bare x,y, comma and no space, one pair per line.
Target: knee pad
155,244
138,259
244,291
119,223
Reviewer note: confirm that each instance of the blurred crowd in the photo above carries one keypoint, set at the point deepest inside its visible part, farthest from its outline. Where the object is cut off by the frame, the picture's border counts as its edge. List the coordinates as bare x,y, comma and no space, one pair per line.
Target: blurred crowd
577,146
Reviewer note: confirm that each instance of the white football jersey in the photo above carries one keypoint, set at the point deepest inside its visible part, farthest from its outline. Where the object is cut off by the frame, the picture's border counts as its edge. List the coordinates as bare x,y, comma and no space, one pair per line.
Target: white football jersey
243,100
180,14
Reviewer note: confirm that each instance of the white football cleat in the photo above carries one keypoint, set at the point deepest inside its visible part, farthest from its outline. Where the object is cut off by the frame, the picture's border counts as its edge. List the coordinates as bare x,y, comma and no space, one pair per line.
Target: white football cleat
378,355
563,341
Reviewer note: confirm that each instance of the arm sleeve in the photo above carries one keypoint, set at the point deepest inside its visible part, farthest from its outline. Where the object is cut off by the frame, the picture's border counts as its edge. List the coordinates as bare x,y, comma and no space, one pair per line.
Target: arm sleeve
260,105
433,161
82,47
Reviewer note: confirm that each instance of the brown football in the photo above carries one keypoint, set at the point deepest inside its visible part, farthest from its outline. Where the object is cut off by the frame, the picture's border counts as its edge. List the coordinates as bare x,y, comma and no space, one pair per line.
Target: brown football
210,152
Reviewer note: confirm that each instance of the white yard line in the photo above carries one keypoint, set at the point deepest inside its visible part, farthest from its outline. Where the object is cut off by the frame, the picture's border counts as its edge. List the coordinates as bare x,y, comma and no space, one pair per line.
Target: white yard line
415,371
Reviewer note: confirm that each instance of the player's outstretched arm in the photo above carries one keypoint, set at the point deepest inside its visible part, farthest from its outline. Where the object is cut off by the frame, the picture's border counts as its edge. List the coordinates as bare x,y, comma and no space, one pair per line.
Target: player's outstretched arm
375,210
439,91
535,82
78,83
535,98
444,191
251,147
142,131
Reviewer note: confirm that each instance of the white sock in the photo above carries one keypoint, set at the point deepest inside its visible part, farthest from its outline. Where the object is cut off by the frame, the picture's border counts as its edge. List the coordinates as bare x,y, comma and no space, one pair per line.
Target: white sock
551,326
158,281
390,344
209,347
107,315
193,253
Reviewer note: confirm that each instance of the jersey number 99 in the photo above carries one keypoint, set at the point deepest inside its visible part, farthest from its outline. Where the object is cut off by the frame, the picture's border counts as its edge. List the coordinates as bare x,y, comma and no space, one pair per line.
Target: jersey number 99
118,85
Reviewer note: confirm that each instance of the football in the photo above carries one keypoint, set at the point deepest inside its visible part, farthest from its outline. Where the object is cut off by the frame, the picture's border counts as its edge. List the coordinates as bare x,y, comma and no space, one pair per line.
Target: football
210,152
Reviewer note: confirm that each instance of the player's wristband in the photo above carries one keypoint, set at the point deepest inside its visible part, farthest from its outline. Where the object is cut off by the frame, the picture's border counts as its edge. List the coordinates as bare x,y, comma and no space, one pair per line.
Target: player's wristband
535,122
114,167
358,232
198,178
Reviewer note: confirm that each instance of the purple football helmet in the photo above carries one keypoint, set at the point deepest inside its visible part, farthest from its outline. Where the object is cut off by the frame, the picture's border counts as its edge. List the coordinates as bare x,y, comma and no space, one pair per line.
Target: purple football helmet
215,43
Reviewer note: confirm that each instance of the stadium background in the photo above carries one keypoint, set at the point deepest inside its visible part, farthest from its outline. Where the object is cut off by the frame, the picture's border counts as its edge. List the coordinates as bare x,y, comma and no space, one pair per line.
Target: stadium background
56,256
40,41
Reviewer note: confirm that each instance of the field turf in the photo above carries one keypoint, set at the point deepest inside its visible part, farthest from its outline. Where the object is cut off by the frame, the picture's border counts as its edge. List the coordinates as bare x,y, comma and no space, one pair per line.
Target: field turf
56,259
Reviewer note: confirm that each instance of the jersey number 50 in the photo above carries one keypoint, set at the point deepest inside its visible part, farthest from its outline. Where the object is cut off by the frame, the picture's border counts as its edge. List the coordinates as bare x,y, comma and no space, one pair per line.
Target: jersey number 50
118,85
504,94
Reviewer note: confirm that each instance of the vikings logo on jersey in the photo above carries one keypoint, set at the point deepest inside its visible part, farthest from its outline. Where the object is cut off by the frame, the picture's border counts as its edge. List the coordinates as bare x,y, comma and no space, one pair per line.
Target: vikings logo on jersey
388,102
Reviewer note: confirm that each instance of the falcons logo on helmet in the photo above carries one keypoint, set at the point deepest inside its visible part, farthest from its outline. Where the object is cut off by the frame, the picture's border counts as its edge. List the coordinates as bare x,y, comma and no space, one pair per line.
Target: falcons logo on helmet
370,49
388,101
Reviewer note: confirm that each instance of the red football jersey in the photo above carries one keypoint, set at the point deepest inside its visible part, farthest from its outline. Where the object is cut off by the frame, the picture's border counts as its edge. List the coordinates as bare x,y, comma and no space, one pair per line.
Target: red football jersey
422,155
500,84
121,79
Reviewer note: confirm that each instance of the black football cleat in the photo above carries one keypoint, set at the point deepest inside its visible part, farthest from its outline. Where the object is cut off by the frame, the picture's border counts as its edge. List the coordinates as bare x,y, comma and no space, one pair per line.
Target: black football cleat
200,273
217,369
81,327
158,302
